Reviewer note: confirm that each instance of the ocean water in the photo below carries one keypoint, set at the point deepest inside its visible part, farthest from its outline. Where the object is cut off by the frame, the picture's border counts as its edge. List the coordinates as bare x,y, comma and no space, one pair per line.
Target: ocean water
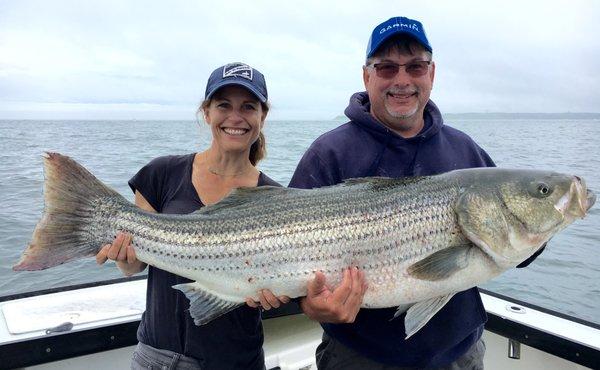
565,278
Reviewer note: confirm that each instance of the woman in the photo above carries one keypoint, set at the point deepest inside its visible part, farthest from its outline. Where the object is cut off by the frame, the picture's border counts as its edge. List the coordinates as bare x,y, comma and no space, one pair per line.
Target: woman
235,108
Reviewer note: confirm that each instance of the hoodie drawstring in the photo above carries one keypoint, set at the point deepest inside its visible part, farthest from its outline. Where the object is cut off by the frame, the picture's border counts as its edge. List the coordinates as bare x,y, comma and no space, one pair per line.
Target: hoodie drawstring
411,168
372,171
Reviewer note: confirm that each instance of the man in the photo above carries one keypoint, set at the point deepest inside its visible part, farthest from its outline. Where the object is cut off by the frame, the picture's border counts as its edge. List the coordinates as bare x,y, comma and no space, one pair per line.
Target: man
394,131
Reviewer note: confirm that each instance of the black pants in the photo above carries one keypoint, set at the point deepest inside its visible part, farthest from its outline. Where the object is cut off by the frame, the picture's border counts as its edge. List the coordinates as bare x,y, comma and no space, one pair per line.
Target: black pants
332,355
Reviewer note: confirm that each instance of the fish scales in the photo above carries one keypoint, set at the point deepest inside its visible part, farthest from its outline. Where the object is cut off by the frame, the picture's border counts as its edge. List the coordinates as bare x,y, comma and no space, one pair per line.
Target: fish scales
378,221
324,226
418,241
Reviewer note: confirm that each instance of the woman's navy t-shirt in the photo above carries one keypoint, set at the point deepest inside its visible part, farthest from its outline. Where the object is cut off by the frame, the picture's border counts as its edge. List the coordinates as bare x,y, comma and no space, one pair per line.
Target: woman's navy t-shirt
232,341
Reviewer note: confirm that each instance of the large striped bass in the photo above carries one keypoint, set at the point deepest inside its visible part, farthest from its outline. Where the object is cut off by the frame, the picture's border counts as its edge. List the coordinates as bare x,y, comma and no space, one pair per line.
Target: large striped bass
418,240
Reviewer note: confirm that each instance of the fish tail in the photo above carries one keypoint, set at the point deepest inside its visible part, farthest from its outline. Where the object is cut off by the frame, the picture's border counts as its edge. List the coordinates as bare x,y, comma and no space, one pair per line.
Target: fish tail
70,196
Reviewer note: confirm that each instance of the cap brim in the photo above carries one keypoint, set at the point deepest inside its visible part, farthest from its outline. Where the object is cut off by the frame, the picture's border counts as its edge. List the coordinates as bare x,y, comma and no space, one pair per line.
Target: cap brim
242,83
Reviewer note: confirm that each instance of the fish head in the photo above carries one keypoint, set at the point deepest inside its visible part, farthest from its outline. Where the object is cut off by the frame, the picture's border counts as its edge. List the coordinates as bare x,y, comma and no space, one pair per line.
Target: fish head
510,214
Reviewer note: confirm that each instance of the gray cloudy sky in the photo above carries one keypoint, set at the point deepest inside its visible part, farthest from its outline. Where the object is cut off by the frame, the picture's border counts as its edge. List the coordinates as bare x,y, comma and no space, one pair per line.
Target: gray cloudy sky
151,59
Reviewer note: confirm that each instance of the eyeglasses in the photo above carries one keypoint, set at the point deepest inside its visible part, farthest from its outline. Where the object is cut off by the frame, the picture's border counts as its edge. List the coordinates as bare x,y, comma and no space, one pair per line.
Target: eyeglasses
389,70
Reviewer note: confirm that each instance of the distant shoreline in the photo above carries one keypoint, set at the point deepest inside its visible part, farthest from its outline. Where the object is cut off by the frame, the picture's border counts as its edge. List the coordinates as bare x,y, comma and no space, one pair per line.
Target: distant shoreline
499,115
566,115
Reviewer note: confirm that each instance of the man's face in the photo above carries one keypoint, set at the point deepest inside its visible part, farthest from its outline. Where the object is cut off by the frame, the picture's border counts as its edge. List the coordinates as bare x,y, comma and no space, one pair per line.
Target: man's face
398,101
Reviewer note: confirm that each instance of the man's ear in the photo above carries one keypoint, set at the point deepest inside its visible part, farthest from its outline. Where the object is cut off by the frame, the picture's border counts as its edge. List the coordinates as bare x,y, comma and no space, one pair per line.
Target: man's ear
366,76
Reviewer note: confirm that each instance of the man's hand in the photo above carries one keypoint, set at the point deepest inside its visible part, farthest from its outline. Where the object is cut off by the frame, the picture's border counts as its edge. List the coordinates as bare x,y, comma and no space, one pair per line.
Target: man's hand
338,306
267,300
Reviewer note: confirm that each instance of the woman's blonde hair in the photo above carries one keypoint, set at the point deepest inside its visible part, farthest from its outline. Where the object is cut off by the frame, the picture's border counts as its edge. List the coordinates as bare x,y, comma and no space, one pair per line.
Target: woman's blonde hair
258,150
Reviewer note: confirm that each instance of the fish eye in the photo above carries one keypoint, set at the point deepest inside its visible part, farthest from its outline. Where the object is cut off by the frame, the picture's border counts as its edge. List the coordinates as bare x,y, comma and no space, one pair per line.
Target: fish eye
543,189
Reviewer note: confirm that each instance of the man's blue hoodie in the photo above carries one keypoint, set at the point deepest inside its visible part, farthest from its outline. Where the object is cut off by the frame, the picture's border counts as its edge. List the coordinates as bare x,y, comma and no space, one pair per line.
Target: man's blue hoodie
364,147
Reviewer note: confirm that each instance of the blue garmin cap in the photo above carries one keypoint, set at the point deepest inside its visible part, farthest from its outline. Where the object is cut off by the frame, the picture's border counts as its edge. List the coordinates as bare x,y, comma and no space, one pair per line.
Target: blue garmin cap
237,74
397,26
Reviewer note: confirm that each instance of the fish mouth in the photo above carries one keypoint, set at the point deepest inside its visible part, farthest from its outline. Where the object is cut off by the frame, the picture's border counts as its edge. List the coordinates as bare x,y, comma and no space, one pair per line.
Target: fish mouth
577,201
591,199
586,198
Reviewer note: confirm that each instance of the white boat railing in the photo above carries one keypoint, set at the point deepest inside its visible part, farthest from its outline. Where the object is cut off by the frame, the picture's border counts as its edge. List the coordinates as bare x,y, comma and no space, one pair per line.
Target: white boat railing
57,324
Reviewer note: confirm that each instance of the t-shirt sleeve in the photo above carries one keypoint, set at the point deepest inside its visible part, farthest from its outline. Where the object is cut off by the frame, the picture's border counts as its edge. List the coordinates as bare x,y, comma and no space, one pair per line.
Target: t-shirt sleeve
264,180
150,182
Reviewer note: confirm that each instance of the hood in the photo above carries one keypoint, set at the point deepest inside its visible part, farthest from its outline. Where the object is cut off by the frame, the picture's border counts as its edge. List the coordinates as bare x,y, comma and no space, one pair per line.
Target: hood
358,111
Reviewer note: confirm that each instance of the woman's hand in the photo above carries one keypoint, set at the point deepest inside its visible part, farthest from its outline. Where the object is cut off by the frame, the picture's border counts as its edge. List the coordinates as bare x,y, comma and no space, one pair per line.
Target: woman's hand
340,305
267,300
121,251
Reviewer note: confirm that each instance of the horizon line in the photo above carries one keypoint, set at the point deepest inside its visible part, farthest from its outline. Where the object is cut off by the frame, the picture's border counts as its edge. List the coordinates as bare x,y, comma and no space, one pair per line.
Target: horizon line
336,118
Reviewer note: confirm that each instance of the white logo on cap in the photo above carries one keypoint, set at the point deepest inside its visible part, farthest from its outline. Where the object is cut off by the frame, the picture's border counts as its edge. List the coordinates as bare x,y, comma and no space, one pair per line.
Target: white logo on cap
238,70
399,25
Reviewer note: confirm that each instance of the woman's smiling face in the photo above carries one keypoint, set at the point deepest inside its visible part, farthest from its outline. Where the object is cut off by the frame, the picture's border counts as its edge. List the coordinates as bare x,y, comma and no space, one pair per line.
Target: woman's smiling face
236,117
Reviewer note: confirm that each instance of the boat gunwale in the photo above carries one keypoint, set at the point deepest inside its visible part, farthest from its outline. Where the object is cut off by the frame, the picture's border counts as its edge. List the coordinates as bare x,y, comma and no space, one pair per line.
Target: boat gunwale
12,297
117,335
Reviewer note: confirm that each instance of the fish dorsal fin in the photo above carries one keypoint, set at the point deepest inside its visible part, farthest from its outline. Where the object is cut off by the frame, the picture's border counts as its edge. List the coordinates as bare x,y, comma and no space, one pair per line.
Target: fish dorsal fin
442,264
367,180
240,196
382,181
204,306
420,313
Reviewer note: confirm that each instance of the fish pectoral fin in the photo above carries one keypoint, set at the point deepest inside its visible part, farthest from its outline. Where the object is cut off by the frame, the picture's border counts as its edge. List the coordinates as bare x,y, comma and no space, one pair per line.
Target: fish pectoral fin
204,306
441,264
420,313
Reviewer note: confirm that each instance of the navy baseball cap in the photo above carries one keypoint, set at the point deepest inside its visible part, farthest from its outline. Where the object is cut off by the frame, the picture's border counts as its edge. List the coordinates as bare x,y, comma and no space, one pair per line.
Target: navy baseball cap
237,74
397,26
